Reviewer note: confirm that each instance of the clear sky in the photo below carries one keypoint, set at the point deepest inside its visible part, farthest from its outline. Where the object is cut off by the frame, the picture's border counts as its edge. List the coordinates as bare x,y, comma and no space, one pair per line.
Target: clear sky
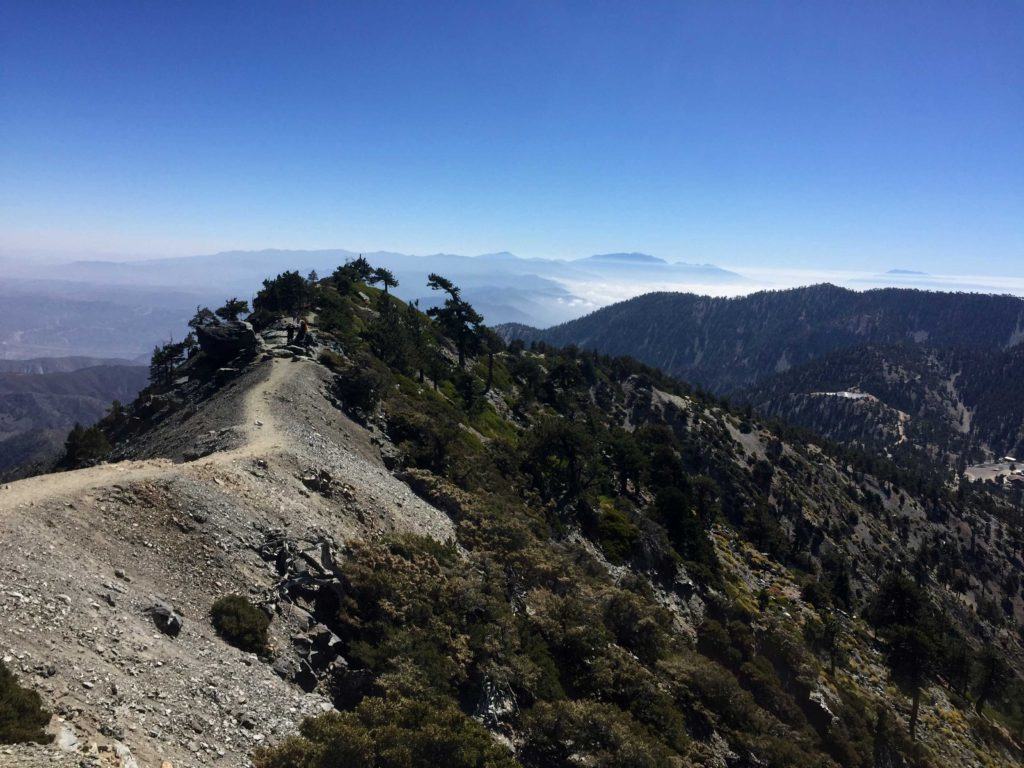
797,134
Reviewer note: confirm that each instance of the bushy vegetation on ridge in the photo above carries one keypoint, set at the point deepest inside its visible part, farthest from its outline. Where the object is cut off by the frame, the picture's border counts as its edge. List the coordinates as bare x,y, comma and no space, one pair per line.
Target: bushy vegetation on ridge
240,623
600,605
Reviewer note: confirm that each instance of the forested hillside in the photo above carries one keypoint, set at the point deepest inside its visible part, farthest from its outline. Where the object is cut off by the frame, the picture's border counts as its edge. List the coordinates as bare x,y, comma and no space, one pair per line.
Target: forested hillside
955,406
37,409
726,344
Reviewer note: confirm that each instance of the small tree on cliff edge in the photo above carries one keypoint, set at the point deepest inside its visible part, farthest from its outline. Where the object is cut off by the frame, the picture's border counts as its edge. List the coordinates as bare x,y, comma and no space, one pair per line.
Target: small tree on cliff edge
232,309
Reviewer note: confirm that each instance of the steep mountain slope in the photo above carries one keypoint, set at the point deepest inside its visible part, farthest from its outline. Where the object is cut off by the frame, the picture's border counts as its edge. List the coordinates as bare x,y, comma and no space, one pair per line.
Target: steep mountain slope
947,403
89,551
543,559
37,409
726,344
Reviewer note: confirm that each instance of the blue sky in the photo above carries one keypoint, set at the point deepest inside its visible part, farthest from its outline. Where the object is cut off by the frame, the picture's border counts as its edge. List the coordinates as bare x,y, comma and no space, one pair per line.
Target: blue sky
799,135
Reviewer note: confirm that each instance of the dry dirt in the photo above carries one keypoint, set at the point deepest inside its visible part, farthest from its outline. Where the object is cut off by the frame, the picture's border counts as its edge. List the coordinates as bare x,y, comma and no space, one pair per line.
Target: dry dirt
87,552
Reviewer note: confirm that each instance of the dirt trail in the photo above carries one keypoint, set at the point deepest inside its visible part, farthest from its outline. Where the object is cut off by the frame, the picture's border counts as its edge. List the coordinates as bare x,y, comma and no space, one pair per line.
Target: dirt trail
90,551
263,431
263,435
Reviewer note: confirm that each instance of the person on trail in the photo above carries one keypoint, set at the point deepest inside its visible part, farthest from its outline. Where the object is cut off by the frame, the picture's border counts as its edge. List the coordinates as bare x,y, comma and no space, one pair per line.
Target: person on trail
291,333
303,332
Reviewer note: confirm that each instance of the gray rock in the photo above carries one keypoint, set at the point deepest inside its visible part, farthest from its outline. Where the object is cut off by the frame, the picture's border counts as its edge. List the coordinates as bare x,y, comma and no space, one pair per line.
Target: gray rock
167,620
819,713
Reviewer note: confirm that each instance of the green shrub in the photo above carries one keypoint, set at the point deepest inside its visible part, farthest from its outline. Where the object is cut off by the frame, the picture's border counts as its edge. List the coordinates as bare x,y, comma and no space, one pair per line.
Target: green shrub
240,623
758,677
714,641
406,727
84,446
637,624
574,733
22,717
537,675
362,385
332,360
426,430
617,535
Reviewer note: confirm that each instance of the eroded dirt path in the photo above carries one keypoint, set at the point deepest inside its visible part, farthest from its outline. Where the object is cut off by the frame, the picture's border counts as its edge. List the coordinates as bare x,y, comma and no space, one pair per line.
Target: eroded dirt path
88,552
262,431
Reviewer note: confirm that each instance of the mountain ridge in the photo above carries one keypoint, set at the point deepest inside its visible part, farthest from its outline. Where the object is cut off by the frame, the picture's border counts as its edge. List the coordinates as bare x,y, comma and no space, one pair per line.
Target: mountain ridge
541,557
38,409
729,343
957,404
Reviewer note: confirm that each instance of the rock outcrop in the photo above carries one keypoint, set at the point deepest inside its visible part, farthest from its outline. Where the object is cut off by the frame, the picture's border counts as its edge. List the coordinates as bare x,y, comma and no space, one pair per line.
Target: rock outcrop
225,342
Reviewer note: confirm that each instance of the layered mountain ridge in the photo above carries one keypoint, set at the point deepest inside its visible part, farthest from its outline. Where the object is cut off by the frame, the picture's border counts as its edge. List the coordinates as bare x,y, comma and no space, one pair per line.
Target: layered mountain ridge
955,404
728,343
41,399
481,555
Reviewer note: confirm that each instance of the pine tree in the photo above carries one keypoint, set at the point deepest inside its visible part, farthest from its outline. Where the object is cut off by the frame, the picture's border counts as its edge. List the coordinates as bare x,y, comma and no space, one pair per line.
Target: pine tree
383,276
492,344
902,612
232,308
456,316
993,675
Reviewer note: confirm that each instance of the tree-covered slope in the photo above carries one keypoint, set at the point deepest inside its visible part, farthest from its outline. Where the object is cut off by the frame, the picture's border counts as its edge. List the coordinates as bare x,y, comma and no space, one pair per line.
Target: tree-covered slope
37,409
956,405
728,343
639,576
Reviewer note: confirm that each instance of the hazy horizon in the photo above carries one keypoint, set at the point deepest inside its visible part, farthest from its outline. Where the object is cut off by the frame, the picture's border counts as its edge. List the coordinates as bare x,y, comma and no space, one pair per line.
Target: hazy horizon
828,136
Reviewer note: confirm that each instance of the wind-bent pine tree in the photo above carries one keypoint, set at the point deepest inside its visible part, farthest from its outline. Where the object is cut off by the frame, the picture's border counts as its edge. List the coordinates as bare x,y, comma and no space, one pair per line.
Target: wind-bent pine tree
456,316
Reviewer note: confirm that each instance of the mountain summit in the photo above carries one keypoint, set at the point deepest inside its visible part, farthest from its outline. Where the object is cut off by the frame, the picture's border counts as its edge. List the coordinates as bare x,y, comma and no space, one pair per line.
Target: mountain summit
345,532
624,258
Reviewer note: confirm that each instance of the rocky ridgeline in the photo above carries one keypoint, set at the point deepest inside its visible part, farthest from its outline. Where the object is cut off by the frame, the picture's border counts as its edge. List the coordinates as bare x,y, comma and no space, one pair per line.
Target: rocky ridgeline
110,571
248,478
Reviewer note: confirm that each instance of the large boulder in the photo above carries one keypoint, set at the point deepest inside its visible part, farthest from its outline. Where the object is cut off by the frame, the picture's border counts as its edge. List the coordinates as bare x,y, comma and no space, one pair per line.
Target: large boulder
227,341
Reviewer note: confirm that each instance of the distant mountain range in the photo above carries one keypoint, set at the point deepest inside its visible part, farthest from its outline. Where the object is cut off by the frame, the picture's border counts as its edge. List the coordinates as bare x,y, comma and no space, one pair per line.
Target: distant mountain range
61,318
106,308
40,400
625,258
39,365
122,308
